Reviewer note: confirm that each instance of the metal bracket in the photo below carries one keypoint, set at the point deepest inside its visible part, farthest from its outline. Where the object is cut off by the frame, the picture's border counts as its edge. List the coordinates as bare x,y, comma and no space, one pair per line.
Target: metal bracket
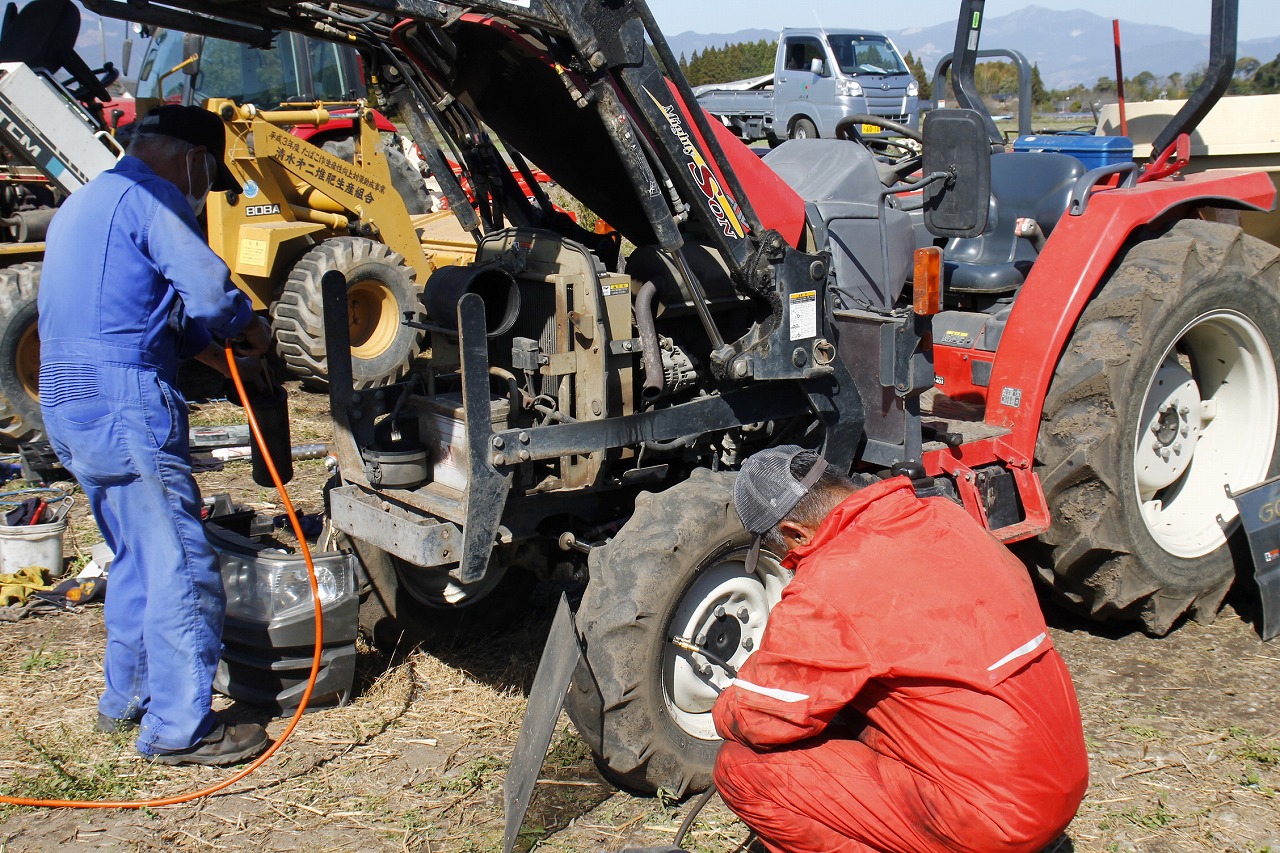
560,657
486,488
1260,516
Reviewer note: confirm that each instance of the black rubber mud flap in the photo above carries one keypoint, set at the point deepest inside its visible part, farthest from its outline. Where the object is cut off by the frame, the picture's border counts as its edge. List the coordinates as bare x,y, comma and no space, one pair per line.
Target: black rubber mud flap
560,657
1260,516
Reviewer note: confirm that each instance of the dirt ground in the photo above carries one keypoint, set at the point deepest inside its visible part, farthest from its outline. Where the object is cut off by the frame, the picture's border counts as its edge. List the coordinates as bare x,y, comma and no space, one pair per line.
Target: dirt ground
1183,736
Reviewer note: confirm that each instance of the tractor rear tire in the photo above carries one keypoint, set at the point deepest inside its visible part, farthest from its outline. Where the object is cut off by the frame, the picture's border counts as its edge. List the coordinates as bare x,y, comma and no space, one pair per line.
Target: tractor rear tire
20,419
380,295
1166,393
640,703
406,180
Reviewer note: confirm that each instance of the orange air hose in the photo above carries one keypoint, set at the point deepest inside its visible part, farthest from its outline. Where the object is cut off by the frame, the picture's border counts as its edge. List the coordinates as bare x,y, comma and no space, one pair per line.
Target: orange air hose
315,658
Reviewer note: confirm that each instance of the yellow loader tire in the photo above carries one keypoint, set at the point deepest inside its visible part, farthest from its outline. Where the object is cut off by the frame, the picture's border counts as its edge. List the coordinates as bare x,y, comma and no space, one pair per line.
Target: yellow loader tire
381,294
20,419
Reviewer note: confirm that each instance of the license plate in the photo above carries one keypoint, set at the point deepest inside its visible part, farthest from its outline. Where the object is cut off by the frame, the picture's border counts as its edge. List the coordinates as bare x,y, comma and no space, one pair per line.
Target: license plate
871,129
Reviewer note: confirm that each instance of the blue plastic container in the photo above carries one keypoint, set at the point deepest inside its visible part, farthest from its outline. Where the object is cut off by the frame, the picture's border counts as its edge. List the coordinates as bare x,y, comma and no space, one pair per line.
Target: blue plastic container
1093,151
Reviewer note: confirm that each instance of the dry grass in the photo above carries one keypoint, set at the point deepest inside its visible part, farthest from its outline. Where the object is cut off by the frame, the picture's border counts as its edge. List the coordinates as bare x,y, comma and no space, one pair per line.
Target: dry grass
1183,738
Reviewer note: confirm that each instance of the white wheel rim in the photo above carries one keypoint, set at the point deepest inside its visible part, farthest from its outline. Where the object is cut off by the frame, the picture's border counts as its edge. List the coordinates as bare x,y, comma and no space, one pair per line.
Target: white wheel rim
1208,421
690,681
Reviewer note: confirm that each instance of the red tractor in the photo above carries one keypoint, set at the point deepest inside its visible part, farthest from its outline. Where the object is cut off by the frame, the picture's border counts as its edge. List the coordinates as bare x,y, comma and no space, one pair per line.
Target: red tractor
1084,358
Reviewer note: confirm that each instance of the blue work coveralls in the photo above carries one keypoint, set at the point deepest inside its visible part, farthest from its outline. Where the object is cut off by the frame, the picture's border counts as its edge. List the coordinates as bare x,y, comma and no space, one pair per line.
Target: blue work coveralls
129,287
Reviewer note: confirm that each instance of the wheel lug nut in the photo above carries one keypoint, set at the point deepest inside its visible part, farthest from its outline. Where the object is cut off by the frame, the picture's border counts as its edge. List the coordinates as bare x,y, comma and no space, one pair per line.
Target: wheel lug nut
748,643
743,614
700,640
1155,429
1177,448
1184,411
718,612
1164,454
1184,430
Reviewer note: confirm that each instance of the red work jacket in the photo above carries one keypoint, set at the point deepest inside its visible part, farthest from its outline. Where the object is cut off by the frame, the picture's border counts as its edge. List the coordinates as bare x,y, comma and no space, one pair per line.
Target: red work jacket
907,611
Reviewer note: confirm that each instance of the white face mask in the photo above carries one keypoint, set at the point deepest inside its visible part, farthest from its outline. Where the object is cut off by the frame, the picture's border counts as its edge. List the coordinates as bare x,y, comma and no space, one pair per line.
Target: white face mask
197,202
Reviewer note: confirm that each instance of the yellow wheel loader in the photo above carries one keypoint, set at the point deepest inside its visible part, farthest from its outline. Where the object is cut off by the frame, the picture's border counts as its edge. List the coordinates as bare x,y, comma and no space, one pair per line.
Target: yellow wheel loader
307,209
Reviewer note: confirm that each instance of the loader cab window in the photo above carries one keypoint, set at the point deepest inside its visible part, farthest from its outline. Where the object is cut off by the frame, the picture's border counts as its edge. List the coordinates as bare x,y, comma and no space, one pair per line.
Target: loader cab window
163,54
333,71
245,74
866,54
801,51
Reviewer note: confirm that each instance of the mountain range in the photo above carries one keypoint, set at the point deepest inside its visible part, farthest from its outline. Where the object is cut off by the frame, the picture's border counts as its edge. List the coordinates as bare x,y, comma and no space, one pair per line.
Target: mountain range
1069,47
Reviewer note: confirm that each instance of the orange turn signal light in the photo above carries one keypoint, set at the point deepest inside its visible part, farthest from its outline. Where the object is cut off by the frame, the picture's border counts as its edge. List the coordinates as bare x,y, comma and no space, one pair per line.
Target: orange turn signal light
927,288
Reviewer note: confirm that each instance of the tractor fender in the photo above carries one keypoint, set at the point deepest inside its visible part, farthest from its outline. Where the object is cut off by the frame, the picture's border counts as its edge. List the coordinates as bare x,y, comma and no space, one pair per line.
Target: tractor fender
1068,273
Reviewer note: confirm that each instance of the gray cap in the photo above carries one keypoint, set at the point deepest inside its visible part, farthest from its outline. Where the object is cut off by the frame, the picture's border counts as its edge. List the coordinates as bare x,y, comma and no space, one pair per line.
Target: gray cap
766,491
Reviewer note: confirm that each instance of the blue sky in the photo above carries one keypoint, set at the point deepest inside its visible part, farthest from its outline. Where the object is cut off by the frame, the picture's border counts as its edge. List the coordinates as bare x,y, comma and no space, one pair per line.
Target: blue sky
1258,18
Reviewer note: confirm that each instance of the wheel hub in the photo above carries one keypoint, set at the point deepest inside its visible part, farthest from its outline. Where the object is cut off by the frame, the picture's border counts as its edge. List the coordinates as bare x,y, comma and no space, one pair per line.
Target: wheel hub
375,319
725,637
1172,418
1208,420
723,612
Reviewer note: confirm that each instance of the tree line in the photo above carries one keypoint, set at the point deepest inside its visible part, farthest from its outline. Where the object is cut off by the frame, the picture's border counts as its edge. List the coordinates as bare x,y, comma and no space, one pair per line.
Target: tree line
996,80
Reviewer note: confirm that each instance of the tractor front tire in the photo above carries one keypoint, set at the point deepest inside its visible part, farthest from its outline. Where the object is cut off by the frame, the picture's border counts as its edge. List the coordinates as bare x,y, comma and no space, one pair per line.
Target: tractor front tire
380,295
676,569
1166,394
20,419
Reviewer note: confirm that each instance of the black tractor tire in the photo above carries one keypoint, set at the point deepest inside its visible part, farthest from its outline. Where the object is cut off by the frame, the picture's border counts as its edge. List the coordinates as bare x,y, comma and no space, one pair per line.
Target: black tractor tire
381,295
1178,313
396,620
406,179
804,129
669,561
20,419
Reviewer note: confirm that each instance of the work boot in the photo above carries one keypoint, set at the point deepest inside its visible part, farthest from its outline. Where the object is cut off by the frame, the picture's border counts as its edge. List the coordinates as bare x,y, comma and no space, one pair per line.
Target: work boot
113,725
226,744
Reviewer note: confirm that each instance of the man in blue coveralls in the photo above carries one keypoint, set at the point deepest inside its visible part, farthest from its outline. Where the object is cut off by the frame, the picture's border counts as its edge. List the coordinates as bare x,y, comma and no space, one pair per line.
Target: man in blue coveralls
129,287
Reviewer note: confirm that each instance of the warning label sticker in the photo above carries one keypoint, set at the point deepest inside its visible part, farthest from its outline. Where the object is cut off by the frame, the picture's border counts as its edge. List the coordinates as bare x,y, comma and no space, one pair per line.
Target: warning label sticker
253,252
804,315
616,288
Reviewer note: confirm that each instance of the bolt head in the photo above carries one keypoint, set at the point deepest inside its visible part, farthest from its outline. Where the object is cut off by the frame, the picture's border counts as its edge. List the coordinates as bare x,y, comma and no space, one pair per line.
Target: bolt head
498,459
700,640
743,614
498,442
748,643
718,612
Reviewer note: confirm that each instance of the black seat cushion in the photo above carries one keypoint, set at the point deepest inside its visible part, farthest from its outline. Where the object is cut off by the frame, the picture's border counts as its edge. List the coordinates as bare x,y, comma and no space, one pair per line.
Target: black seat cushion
1023,185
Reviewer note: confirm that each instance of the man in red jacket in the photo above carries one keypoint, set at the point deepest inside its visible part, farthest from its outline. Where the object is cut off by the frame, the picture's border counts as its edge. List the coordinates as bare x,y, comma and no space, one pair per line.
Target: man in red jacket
960,729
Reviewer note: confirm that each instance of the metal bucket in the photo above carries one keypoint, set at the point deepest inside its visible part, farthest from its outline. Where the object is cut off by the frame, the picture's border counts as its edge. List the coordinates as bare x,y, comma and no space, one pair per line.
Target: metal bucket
38,545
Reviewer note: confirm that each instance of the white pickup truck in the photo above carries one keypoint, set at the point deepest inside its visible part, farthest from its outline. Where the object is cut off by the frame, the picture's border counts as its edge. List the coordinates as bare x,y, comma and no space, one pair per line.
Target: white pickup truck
819,77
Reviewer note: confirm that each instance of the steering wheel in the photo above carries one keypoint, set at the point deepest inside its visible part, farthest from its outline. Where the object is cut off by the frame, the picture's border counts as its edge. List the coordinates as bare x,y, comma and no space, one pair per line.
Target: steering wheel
85,91
900,157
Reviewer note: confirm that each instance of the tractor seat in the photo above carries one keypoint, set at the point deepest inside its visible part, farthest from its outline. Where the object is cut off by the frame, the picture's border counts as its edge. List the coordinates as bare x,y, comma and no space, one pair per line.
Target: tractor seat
43,35
1023,186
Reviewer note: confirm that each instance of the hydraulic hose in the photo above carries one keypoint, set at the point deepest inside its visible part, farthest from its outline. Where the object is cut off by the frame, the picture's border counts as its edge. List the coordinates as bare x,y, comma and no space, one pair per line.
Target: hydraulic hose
315,658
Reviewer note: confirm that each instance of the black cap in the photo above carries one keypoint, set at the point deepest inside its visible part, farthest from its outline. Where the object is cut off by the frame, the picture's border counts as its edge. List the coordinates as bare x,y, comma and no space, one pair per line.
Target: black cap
195,126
